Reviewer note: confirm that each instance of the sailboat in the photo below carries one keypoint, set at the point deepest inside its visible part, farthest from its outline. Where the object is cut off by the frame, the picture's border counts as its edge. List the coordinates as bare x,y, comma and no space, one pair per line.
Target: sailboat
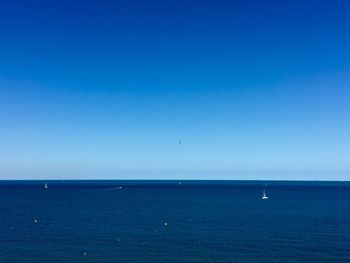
46,186
264,196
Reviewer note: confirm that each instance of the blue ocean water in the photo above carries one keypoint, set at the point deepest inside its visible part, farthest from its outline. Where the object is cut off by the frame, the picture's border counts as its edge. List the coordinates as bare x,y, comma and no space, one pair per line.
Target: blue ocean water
162,221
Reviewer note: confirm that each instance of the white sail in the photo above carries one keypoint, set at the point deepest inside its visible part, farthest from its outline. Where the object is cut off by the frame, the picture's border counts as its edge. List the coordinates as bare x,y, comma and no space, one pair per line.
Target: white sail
264,196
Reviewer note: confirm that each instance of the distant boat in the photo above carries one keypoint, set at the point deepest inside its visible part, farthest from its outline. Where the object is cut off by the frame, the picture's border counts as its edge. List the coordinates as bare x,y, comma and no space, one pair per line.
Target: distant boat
46,186
264,196
179,183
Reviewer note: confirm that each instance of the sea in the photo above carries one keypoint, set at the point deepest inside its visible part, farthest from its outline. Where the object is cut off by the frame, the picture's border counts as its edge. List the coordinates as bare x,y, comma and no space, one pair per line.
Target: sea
175,221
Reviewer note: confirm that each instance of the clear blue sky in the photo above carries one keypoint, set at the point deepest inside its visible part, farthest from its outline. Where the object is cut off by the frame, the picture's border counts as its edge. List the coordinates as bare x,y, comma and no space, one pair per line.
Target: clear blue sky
107,89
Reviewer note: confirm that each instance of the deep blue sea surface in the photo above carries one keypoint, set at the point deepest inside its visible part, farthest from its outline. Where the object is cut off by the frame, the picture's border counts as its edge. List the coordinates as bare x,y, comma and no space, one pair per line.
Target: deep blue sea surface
162,221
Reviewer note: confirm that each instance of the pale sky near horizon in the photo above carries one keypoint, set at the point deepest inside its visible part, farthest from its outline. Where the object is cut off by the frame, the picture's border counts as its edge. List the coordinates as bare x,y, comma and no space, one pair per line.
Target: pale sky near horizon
252,89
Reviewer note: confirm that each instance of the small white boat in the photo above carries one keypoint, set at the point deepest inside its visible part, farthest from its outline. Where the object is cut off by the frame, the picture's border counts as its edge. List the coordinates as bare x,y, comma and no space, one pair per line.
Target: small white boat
264,196
46,186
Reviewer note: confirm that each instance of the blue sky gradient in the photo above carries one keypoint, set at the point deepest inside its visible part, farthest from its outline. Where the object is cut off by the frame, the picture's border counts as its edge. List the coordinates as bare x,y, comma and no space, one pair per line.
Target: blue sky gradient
107,89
